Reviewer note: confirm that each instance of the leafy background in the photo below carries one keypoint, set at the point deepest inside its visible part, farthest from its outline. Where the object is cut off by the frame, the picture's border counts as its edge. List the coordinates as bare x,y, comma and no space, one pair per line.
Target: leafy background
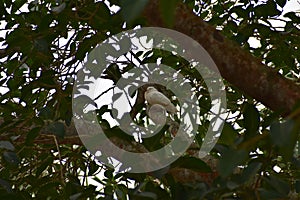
44,43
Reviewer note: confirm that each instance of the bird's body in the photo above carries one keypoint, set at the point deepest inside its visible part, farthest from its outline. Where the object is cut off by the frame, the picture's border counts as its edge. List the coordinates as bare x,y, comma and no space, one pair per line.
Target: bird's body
153,96
157,114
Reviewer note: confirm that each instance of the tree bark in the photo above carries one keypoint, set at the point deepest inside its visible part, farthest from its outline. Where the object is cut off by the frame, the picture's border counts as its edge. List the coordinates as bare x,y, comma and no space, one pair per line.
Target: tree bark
237,66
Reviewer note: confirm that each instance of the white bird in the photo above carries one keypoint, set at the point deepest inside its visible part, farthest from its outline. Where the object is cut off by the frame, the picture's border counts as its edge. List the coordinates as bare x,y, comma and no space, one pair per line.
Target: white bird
153,96
157,114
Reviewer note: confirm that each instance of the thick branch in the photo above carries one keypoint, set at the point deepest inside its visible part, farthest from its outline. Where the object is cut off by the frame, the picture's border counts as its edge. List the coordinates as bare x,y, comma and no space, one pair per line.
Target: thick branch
236,65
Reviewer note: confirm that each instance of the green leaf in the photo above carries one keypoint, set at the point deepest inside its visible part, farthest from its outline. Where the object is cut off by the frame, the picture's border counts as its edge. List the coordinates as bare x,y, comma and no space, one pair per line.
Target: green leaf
278,184
7,145
102,110
4,184
11,158
132,90
241,38
93,168
146,195
205,104
41,45
251,119
269,119
293,17
130,10
116,96
250,171
46,113
56,128
113,73
192,163
125,44
281,132
129,66
270,194
83,48
48,189
240,11
170,60
230,159
81,102
12,84
297,186
44,165
75,196
109,173
269,9
167,10
17,5
228,136
284,136
58,9
281,3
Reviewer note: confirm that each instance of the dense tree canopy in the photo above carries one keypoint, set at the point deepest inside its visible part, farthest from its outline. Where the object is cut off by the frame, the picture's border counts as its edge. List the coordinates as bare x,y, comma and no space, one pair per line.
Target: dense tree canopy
255,45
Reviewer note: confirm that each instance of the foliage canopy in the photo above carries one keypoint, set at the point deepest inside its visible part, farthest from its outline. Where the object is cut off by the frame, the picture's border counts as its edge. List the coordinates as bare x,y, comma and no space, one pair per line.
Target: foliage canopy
44,43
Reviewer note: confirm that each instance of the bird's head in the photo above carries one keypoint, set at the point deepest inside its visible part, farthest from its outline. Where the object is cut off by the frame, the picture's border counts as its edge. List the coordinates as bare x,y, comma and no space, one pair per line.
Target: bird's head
151,88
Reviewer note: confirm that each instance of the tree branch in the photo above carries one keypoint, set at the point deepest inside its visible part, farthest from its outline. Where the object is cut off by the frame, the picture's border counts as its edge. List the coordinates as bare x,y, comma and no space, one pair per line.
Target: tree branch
236,65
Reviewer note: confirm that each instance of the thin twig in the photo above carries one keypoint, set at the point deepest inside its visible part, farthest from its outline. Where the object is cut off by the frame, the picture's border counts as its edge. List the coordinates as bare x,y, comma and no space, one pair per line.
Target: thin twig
60,160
